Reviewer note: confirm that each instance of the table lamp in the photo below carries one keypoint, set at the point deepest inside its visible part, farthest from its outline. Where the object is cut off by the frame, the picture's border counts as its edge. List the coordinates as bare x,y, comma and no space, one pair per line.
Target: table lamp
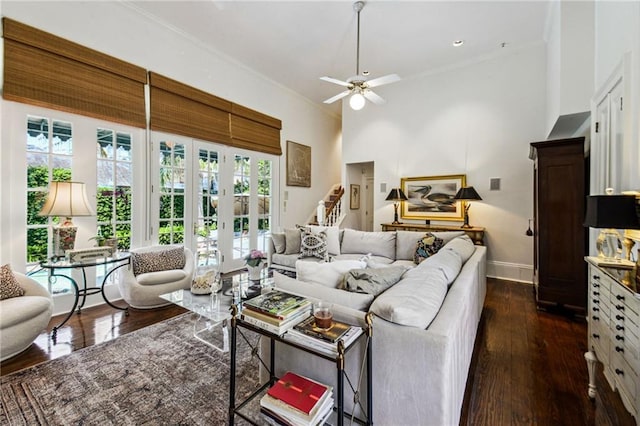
467,193
396,195
65,199
609,213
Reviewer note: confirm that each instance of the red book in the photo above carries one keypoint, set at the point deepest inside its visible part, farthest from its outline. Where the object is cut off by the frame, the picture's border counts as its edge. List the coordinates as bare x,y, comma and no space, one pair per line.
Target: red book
297,391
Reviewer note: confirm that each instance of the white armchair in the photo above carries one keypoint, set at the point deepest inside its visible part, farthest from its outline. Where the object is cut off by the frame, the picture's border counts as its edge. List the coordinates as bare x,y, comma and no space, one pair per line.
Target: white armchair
23,318
141,291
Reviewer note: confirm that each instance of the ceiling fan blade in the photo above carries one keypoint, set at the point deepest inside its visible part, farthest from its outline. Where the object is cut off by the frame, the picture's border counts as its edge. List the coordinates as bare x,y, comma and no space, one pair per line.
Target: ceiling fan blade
338,96
335,81
373,97
386,79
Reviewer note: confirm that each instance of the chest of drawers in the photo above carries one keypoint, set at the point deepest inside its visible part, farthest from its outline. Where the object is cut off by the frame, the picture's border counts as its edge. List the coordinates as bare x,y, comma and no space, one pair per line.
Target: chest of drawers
614,332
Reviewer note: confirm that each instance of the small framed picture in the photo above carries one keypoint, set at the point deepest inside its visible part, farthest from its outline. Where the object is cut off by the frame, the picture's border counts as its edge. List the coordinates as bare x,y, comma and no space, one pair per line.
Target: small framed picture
354,200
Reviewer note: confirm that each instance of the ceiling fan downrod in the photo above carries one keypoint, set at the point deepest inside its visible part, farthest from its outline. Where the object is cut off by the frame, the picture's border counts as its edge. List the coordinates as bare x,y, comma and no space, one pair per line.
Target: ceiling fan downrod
358,6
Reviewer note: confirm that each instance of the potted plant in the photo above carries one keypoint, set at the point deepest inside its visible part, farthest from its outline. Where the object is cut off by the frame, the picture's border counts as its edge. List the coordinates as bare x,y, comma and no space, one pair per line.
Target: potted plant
255,261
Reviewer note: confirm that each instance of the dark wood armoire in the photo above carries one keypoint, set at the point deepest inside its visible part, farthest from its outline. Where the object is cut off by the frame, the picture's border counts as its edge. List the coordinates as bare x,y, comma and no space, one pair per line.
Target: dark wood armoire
561,179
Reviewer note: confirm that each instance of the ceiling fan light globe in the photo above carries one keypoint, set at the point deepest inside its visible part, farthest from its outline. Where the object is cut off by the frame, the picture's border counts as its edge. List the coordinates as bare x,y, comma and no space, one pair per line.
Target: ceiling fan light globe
357,101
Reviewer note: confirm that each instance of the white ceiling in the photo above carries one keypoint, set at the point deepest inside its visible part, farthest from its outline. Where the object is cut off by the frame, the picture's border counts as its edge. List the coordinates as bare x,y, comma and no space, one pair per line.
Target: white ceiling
296,42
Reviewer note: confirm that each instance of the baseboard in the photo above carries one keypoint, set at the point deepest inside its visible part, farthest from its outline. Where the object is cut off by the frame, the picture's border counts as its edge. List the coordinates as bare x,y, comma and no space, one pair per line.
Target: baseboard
510,271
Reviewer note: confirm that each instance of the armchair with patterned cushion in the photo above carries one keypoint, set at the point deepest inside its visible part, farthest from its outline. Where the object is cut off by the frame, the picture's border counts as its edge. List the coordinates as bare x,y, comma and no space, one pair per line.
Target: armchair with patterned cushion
23,315
153,271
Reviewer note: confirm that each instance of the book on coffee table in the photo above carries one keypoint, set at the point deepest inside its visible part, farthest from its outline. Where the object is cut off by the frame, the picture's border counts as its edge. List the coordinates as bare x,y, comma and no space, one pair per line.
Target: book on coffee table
331,334
277,304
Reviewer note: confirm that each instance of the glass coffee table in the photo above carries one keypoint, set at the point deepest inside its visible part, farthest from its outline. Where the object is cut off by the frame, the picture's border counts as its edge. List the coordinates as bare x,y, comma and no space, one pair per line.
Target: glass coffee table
211,326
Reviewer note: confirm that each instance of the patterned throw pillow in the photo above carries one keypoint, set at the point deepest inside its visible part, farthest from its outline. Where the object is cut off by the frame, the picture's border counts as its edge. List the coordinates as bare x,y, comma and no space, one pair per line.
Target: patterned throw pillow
314,245
427,246
155,261
9,285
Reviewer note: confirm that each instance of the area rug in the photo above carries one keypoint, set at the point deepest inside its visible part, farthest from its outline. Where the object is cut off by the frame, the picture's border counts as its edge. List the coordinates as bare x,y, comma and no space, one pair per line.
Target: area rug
156,375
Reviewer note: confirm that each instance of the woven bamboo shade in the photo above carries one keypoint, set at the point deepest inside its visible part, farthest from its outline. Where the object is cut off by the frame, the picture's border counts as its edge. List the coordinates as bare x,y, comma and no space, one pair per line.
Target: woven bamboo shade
45,70
256,131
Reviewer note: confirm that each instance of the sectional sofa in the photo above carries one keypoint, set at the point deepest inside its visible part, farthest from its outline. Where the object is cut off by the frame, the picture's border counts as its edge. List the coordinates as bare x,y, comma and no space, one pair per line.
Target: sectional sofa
424,326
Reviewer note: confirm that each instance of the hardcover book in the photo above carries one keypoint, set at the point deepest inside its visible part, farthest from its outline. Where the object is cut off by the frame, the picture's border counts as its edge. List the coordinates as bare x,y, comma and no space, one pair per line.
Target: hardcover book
332,334
298,391
278,304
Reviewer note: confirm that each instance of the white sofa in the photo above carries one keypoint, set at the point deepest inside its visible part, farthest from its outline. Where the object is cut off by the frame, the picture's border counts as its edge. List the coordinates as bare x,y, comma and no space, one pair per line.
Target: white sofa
23,318
419,372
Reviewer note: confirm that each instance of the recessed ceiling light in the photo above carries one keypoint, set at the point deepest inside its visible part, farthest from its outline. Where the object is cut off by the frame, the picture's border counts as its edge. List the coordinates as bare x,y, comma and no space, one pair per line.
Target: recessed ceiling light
458,43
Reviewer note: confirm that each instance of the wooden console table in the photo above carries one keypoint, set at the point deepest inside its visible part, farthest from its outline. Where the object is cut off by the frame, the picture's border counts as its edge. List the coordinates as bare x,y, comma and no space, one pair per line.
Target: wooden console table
475,233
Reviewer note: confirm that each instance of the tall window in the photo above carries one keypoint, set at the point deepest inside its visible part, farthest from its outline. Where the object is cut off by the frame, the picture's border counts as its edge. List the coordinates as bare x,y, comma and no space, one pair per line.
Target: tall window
49,146
265,201
208,197
114,183
172,185
241,192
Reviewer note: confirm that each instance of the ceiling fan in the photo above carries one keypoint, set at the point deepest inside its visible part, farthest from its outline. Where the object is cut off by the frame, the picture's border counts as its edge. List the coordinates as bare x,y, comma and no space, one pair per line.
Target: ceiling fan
358,86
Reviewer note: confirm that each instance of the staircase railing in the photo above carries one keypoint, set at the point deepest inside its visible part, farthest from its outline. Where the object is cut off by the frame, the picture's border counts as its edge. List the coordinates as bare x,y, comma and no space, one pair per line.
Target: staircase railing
329,212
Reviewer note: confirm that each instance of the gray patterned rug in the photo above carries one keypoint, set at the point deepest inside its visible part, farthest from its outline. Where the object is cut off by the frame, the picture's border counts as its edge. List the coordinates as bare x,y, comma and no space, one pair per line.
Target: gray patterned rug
157,375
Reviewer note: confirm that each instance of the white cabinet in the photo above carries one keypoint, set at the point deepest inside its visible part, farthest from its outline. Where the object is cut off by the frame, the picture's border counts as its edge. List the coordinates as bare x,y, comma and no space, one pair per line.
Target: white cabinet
614,333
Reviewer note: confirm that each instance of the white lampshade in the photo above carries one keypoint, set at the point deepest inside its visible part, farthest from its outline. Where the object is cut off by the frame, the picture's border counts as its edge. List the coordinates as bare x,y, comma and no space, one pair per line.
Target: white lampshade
66,199
357,101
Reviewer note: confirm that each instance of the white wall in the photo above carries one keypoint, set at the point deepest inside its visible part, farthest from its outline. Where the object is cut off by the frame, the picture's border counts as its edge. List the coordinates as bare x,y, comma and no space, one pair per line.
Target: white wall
121,31
618,32
478,120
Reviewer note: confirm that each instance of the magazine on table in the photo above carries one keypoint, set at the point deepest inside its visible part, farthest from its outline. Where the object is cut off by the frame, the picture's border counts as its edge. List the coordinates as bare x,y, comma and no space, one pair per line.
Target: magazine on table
277,303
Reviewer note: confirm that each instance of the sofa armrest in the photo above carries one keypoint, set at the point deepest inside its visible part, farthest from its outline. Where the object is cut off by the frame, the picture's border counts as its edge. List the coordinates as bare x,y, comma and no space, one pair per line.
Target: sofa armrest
271,249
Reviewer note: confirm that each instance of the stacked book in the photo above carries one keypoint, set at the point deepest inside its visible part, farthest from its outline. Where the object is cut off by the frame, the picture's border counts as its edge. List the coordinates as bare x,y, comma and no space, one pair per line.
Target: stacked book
323,340
296,400
275,311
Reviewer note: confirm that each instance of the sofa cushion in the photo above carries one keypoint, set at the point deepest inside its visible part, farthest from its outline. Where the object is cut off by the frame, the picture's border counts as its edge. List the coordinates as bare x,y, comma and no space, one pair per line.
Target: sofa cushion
279,241
17,310
377,243
447,261
406,241
328,274
371,280
357,301
426,247
378,260
9,285
463,246
292,241
333,237
161,277
314,245
158,260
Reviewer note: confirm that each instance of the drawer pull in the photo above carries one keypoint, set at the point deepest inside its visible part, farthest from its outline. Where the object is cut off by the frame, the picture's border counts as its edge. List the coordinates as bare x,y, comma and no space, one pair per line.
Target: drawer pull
595,309
619,349
619,372
596,285
596,277
619,297
595,318
619,317
596,293
619,327
596,336
596,301
618,337
620,307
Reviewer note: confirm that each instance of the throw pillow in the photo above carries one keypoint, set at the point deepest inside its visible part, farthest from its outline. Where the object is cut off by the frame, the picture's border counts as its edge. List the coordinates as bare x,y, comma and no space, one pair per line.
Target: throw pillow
371,281
333,237
279,241
292,241
9,285
328,274
155,261
427,246
314,245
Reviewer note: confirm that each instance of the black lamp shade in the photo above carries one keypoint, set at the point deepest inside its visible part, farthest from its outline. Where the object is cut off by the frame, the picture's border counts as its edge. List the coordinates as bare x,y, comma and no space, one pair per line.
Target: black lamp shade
467,193
396,194
612,211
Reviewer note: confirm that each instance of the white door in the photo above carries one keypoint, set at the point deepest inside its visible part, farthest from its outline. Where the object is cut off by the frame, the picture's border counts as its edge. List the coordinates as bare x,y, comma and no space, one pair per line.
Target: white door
212,198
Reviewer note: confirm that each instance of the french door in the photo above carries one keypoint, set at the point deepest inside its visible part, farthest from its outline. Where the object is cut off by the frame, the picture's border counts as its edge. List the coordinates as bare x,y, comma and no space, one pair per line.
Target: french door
212,198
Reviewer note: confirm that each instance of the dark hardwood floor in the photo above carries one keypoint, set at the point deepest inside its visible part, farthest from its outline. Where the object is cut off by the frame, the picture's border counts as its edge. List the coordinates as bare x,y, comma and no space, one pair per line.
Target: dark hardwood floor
528,366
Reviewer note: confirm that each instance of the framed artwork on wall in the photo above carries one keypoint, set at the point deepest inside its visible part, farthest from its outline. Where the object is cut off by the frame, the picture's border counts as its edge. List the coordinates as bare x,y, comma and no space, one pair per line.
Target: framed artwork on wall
354,200
298,164
431,197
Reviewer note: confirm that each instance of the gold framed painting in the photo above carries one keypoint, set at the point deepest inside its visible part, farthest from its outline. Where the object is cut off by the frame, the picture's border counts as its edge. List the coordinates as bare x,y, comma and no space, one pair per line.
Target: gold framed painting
431,197
298,164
